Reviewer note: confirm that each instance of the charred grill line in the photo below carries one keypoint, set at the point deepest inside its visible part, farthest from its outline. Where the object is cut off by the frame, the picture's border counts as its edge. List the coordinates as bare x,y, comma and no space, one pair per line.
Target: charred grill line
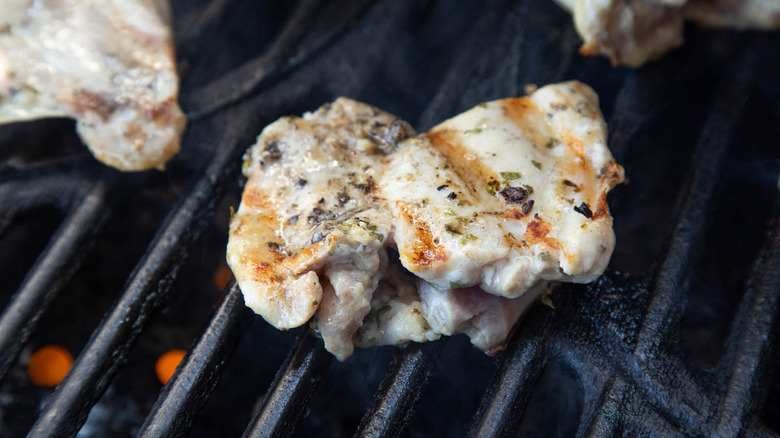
190,387
293,386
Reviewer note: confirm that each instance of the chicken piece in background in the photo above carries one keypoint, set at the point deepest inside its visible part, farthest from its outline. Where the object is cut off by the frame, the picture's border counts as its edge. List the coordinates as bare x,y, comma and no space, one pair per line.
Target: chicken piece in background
109,64
310,233
637,31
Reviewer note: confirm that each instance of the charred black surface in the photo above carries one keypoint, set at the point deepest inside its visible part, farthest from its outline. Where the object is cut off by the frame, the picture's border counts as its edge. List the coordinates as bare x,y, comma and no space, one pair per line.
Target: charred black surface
677,338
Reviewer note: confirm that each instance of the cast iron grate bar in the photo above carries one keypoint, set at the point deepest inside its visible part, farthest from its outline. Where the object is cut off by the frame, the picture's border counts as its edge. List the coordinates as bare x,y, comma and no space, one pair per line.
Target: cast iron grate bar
400,390
87,209
309,30
289,394
148,286
188,390
685,405
508,394
499,409
750,342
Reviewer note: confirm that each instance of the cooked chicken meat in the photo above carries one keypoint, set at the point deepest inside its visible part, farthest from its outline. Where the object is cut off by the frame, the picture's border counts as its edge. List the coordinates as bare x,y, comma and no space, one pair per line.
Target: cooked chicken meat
310,233
507,194
629,33
485,318
485,209
637,31
108,64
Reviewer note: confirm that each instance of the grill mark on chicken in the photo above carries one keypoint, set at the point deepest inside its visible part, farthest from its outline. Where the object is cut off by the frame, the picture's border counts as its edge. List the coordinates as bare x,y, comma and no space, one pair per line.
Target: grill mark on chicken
166,113
601,207
529,118
256,199
425,249
449,143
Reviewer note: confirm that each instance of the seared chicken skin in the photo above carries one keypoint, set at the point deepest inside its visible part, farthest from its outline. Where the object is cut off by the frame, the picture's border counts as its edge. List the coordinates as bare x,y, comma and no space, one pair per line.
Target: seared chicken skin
634,32
485,209
109,64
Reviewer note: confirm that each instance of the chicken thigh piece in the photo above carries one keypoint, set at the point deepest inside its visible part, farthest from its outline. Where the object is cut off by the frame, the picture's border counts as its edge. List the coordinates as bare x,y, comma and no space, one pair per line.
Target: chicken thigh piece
109,64
484,211
310,233
507,195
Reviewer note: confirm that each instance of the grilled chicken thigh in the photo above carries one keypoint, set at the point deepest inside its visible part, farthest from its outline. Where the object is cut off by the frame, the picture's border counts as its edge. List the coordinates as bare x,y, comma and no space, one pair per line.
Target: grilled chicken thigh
634,32
107,63
485,209
507,194
309,235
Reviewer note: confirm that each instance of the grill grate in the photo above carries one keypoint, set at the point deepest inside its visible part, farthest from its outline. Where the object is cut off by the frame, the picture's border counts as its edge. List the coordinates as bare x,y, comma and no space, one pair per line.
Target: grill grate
620,335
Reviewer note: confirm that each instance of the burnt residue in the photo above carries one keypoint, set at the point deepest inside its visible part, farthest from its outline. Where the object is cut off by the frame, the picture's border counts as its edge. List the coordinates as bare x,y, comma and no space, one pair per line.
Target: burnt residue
527,207
367,186
584,210
342,198
442,187
514,195
277,248
88,102
271,151
452,196
387,136
301,182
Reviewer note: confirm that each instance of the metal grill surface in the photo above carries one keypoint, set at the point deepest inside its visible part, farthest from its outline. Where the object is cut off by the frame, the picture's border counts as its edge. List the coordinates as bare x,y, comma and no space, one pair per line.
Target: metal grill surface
698,229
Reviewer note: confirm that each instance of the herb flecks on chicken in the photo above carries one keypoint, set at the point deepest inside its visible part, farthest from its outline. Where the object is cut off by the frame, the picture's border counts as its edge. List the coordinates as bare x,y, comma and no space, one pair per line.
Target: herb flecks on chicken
483,212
